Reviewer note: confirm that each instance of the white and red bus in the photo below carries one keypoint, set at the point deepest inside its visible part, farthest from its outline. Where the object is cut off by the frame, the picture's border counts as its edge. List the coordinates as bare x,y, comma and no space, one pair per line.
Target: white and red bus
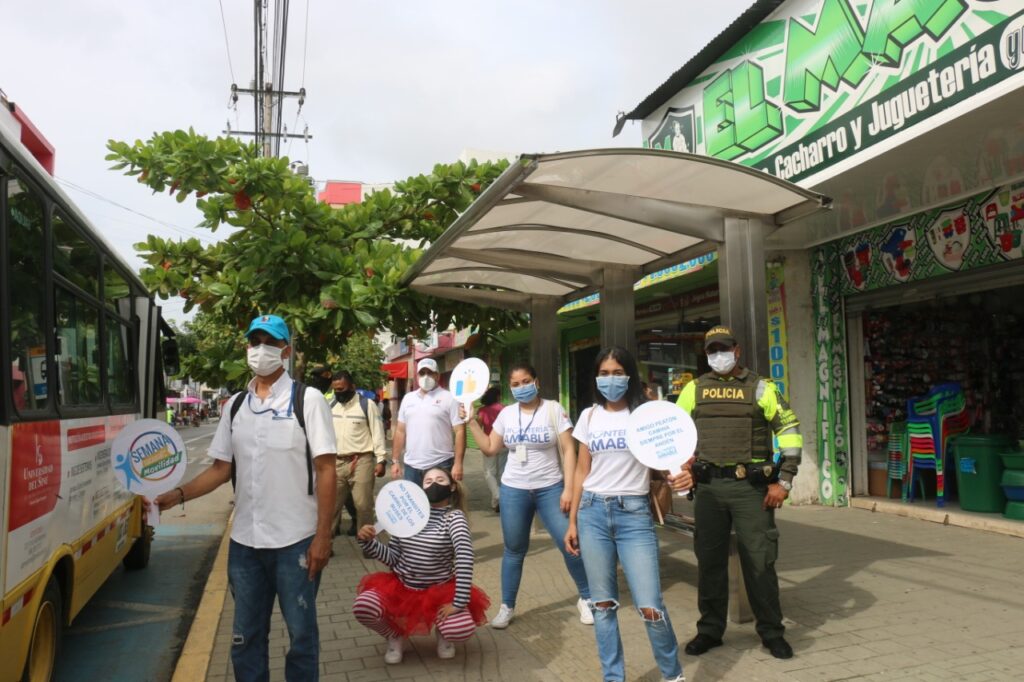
80,356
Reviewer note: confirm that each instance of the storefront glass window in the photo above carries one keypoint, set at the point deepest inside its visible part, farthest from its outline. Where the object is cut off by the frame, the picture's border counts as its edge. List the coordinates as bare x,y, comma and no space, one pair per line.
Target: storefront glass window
673,355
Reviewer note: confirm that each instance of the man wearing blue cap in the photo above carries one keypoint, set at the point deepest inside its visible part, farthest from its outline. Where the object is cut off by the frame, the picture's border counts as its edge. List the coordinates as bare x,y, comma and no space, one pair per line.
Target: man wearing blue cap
277,446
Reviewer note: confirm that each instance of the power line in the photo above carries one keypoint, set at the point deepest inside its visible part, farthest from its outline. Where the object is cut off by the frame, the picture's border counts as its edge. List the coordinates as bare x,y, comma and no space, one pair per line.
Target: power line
224,24
96,195
305,43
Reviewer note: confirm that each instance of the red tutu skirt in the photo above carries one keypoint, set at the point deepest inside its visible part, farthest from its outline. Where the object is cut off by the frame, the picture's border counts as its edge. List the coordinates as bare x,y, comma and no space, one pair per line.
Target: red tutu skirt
409,611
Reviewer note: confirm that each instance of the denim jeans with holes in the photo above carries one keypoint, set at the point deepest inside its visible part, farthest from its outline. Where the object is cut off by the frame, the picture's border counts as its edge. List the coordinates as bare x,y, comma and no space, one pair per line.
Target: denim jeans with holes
256,577
619,529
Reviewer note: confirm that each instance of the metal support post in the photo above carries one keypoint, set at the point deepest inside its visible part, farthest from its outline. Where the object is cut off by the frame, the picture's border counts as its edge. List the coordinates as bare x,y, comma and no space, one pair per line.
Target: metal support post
618,309
742,290
544,346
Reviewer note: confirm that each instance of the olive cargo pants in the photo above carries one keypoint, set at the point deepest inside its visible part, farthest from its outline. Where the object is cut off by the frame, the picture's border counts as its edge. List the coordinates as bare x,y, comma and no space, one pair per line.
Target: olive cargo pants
720,506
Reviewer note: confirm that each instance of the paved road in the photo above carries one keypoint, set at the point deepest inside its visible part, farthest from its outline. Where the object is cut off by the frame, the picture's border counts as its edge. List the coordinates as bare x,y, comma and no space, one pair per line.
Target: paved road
135,626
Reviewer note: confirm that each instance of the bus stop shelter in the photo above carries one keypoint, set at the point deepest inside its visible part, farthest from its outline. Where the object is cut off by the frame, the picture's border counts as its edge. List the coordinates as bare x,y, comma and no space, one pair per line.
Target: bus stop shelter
555,227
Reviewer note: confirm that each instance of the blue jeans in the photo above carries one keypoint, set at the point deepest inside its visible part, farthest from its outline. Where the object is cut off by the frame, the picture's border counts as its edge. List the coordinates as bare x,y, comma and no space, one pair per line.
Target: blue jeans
416,475
620,530
255,577
517,509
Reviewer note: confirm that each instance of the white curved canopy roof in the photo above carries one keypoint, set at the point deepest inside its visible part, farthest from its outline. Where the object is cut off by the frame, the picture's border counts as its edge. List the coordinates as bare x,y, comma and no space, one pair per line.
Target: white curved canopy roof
551,224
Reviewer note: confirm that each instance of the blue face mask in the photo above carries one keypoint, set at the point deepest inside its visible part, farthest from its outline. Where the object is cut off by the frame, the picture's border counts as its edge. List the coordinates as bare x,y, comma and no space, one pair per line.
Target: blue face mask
613,387
524,393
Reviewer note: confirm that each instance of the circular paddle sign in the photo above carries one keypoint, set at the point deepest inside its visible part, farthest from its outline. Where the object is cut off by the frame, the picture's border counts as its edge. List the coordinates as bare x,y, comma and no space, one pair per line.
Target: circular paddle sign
402,509
661,435
469,380
148,457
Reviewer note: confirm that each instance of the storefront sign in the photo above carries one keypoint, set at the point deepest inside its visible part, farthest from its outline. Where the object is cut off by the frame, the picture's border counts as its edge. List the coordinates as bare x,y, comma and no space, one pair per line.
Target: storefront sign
826,79
778,350
982,230
402,509
685,268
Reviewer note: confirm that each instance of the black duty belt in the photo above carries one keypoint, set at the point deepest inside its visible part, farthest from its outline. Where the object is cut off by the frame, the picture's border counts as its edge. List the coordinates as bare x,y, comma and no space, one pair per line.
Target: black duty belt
757,471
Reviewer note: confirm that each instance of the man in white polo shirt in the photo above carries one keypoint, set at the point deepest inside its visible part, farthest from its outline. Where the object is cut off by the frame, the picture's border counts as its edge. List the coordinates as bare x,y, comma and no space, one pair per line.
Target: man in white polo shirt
284,505
429,432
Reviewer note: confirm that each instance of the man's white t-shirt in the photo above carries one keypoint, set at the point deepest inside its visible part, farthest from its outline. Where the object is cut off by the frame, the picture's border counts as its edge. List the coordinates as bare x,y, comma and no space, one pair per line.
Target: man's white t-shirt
613,468
536,431
429,419
273,507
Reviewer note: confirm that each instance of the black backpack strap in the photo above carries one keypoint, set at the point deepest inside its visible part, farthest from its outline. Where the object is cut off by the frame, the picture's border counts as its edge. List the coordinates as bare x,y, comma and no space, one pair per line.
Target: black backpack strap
236,405
298,406
366,410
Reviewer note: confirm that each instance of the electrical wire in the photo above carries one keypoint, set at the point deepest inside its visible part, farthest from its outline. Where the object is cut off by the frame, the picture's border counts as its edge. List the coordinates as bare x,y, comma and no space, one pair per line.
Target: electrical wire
96,195
227,46
305,43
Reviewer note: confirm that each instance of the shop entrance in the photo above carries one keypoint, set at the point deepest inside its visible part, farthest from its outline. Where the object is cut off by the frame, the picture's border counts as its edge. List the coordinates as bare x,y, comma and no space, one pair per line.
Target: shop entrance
581,395
968,337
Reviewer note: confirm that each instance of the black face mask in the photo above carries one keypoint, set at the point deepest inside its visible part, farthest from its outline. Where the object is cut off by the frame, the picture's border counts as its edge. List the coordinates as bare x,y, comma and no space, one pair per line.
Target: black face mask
438,492
322,384
344,396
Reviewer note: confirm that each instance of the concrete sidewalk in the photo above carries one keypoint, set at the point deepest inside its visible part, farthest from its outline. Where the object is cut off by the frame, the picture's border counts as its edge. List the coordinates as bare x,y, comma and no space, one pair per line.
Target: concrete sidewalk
866,595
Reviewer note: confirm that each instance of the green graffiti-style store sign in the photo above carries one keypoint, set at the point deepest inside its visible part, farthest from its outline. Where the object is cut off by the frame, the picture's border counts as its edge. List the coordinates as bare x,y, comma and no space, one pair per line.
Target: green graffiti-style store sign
825,79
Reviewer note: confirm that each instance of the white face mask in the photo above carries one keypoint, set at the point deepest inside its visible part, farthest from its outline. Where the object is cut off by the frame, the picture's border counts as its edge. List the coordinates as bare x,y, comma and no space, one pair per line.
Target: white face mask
264,359
722,362
428,383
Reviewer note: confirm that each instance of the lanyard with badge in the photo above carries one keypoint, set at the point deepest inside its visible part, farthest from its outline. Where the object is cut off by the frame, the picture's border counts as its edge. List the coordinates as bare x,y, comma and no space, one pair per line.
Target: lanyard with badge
277,415
519,454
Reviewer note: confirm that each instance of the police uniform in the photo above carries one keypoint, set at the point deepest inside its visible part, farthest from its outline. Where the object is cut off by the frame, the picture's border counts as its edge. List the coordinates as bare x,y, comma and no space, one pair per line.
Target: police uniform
737,416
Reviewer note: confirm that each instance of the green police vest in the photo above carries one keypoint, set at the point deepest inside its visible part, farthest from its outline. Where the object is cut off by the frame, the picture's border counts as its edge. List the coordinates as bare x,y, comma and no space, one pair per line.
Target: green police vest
731,428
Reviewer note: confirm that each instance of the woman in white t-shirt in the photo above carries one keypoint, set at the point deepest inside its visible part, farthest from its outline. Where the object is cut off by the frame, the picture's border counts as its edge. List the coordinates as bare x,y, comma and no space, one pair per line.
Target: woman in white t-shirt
534,482
610,521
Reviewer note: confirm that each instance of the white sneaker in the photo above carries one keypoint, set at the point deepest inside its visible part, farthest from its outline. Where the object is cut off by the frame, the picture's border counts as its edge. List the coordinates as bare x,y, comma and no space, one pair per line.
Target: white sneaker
681,678
395,652
445,649
586,615
504,617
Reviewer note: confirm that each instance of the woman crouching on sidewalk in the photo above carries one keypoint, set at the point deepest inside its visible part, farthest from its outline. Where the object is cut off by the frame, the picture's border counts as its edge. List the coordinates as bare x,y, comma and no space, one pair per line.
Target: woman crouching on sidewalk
431,579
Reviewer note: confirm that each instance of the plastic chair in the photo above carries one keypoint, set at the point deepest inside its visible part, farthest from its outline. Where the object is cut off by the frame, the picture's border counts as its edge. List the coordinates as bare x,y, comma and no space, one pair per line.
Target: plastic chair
897,469
932,421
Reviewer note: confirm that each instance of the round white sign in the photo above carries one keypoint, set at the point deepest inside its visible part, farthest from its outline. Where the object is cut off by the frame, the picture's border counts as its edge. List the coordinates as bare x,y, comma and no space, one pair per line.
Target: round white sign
469,380
148,457
402,509
661,435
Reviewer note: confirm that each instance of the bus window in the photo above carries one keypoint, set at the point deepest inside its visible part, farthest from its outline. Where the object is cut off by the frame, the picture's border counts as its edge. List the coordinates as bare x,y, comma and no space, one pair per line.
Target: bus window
120,374
73,257
116,291
26,291
78,350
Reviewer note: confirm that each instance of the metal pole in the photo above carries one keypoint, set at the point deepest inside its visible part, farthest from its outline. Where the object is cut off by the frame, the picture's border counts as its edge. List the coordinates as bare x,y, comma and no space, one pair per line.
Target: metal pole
618,308
544,348
742,290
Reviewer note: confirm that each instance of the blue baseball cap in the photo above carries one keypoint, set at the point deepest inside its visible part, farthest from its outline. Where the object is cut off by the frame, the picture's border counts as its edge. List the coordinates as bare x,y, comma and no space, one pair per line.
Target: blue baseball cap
271,324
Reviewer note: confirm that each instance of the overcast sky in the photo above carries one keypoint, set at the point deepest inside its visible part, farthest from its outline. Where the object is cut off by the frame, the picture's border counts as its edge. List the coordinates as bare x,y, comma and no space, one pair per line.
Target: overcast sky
393,87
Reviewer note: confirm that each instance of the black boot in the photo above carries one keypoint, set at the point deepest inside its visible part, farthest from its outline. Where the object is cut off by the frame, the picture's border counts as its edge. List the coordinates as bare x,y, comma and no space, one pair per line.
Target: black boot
778,647
700,644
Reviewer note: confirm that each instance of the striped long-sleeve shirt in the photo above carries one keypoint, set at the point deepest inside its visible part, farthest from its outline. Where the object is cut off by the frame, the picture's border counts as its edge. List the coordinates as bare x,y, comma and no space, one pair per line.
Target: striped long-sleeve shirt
443,548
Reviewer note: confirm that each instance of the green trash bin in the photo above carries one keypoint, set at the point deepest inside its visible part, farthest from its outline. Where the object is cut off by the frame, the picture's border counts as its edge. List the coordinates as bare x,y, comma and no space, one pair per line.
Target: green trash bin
979,471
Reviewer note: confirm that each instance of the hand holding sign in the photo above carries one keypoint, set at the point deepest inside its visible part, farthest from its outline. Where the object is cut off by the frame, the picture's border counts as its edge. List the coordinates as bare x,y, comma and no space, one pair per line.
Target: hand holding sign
148,458
469,381
402,509
661,435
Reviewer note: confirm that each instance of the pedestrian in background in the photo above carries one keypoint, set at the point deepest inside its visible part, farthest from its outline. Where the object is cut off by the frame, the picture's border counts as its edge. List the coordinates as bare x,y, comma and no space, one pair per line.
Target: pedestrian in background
284,504
431,580
739,487
361,450
611,522
494,467
538,480
430,432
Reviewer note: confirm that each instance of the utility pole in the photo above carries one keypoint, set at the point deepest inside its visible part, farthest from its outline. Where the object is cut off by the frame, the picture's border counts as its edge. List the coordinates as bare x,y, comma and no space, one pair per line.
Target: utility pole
267,86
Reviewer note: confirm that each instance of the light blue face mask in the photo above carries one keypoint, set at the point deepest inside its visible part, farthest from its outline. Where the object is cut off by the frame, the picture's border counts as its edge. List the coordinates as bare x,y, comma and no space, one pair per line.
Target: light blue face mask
613,387
524,393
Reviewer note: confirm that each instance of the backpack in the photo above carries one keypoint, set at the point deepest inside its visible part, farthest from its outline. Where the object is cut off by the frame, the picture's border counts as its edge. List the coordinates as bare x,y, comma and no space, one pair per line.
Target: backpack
298,403
363,401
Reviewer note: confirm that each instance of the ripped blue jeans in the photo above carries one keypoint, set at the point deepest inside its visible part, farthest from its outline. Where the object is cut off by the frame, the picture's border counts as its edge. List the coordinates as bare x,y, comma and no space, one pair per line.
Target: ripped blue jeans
619,529
255,577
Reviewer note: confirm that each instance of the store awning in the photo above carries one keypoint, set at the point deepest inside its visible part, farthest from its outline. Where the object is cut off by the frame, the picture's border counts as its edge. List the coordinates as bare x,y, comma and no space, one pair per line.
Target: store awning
396,370
552,224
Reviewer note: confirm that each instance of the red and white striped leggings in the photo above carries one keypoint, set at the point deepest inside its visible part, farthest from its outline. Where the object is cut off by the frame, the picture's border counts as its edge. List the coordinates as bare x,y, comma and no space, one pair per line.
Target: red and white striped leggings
369,611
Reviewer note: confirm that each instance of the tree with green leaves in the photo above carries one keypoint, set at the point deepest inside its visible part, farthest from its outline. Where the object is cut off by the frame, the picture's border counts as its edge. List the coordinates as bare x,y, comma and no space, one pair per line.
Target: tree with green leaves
361,357
331,273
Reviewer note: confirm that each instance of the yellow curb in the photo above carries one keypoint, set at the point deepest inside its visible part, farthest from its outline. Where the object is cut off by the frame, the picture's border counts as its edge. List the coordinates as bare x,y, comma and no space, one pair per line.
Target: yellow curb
194,661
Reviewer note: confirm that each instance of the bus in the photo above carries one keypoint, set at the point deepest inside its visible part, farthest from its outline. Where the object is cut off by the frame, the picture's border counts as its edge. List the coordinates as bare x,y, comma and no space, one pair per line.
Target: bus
82,353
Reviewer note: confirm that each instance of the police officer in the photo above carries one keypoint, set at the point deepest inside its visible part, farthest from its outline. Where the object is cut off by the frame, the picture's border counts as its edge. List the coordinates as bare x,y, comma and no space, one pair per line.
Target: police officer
737,486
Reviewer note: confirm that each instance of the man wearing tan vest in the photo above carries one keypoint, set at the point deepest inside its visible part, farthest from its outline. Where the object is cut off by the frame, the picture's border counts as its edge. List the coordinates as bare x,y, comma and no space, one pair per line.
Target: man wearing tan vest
361,450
